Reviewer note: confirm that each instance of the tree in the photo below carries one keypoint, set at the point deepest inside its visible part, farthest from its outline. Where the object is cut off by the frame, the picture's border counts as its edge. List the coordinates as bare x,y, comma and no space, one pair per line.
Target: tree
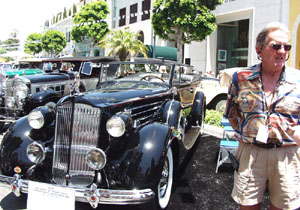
184,21
123,44
11,44
53,42
90,26
33,44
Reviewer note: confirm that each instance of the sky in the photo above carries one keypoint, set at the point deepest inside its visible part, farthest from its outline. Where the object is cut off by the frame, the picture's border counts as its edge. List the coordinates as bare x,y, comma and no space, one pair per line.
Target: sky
28,16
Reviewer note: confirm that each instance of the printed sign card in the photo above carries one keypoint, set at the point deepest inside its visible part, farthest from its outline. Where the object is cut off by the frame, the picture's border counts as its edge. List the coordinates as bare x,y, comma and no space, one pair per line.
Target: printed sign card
49,197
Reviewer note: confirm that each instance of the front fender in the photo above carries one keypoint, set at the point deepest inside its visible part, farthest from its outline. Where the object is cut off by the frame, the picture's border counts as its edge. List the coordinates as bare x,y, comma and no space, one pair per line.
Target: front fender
14,144
142,165
39,99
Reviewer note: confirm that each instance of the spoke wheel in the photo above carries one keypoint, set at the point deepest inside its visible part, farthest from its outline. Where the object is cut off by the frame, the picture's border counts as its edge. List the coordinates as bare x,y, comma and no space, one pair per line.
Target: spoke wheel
165,184
221,105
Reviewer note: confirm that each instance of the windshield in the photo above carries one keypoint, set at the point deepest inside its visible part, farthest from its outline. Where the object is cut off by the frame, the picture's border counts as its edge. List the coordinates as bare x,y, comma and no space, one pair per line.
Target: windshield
116,76
144,75
61,66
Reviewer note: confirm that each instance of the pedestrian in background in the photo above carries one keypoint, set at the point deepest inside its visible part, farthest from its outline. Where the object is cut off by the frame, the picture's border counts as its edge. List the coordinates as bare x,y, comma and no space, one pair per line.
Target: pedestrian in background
263,107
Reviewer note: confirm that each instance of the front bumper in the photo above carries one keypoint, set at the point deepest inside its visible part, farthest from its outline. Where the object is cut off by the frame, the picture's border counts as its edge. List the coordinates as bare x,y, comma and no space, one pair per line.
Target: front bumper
90,195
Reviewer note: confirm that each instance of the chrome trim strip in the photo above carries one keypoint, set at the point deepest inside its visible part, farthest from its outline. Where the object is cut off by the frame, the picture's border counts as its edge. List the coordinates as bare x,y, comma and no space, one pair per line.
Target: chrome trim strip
8,120
90,195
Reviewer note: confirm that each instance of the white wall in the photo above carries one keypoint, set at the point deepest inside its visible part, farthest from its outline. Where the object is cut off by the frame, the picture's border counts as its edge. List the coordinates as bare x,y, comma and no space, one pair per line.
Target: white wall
259,12
140,25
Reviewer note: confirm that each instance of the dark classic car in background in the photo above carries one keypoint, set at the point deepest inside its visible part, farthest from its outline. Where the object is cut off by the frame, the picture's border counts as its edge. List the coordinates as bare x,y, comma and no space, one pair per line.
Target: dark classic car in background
21,94
117,144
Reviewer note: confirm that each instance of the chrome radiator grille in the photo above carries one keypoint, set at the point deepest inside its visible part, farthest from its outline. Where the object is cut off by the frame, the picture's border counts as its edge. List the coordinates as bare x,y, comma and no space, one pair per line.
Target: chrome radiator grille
11,92
76,132
9,87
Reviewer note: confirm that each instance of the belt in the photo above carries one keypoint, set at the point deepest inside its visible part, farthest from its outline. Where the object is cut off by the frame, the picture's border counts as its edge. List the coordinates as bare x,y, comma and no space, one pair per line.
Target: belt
268,145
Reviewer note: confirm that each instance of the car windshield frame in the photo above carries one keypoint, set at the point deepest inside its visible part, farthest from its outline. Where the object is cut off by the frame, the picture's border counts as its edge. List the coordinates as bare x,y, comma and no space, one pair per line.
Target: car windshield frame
165,69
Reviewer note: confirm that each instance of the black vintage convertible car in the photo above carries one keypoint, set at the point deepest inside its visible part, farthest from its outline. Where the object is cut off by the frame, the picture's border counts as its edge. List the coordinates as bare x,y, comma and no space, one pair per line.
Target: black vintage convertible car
117,144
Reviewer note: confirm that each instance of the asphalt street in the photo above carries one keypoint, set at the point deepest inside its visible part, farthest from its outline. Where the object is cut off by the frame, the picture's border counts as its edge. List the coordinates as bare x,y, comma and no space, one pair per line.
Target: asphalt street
197,186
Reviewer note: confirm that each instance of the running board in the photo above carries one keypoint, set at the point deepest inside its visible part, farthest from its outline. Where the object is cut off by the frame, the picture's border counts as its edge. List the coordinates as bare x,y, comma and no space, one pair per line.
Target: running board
191,136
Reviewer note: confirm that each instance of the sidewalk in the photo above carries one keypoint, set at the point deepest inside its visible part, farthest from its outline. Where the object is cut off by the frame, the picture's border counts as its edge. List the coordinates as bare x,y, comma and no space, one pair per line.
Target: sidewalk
213,130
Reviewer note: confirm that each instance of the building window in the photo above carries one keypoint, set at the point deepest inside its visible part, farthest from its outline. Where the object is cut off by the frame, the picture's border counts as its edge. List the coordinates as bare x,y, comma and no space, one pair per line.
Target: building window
68,36
133,13
141,36
146,5
122,16
232,44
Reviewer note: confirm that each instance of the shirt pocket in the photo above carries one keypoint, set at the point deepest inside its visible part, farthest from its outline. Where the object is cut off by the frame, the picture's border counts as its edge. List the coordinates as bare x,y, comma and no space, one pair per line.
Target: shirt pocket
288,106
250,100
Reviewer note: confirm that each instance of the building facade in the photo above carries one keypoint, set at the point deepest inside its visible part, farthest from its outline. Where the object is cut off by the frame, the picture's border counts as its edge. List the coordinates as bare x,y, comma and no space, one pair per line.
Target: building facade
239,21
231,45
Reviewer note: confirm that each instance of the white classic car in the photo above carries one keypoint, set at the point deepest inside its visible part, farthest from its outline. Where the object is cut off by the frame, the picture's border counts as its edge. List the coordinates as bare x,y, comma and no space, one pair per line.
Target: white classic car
216,90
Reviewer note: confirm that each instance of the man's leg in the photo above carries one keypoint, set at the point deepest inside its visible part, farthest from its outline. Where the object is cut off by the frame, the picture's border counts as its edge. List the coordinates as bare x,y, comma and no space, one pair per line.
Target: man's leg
272,207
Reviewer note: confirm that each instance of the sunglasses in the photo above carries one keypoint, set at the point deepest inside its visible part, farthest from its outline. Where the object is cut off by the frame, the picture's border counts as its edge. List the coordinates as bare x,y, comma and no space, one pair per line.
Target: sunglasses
287,47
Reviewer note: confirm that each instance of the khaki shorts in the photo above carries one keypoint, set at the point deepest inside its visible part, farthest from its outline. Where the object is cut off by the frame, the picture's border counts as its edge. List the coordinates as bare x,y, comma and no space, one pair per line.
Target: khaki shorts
278,169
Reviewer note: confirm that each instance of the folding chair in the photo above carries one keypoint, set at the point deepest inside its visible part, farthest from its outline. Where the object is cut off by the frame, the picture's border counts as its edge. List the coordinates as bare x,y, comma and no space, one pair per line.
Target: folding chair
227,127
227,146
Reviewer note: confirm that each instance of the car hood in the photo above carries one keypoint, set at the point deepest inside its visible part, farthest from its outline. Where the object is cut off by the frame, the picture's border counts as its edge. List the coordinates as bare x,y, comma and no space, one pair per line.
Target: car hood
48,77
104,97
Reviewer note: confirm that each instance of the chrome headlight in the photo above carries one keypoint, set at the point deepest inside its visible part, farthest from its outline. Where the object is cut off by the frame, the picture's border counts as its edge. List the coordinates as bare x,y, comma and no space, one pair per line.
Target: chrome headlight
21,90
96,158
115,126
36,119
10,102
35,152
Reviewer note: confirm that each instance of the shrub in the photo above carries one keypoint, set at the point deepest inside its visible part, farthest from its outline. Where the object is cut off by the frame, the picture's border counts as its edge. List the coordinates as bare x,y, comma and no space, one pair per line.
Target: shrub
213,117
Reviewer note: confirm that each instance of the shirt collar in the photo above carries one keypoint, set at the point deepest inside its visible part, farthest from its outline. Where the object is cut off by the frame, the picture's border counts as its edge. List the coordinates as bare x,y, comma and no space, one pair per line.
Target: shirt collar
255,72
256,69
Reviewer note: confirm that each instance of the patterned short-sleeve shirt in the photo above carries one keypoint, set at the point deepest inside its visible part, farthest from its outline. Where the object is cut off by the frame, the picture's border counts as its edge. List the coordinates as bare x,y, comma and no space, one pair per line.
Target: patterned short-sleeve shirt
247,107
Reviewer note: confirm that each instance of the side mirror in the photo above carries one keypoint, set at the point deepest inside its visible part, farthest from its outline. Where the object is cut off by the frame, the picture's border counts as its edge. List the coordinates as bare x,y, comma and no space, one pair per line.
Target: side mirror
87,68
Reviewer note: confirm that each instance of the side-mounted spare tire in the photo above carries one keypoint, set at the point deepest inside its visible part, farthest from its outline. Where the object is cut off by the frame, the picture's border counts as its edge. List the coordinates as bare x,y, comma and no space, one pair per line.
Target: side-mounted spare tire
171,113
197,113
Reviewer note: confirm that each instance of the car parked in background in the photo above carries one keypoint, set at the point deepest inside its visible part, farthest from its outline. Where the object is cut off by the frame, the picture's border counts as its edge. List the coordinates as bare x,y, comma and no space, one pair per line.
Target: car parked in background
119,143
21,94
25,67
216,89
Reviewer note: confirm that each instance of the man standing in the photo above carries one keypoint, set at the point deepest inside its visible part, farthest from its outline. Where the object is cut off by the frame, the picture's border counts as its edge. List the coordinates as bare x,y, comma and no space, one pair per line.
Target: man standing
263,107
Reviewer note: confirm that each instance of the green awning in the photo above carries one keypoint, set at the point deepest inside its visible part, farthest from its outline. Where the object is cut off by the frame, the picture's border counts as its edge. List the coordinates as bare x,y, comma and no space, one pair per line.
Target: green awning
168,53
